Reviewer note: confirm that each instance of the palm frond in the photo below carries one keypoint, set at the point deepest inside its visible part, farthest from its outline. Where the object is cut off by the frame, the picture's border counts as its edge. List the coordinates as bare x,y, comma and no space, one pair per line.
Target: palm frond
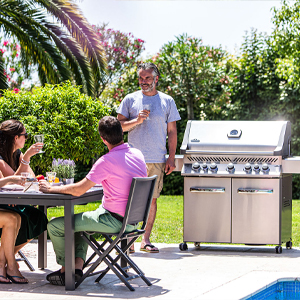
71,17
71,51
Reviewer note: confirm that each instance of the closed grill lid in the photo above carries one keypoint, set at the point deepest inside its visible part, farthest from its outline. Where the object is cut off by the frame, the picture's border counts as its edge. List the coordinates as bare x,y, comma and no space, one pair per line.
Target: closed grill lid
237,137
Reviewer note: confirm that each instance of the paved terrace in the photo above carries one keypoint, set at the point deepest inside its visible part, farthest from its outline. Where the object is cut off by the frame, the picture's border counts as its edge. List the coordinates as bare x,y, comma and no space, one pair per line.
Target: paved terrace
211,272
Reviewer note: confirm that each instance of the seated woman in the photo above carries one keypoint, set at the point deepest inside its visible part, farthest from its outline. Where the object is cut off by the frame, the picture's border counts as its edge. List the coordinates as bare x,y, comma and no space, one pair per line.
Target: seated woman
12,162
10,223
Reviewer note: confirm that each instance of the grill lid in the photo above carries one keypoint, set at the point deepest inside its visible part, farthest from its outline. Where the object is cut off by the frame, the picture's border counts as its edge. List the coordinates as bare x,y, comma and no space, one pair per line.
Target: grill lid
237,137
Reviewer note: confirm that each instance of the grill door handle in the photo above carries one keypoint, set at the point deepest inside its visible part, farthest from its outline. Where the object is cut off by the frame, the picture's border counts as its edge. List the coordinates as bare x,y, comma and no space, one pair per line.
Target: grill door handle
198,189
254,191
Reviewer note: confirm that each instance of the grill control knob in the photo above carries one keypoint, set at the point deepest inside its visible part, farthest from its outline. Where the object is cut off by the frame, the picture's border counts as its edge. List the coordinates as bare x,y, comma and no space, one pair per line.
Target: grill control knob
256,168
230,168
196,166
248,168
265,168
213,167
204,167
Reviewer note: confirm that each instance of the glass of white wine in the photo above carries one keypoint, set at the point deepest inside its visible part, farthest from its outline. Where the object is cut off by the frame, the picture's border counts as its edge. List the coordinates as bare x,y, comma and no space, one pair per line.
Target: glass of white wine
51,176
39,138
148,108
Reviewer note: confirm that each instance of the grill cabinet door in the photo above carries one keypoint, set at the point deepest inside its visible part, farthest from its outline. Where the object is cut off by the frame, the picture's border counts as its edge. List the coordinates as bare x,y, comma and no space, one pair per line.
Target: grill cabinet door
256,211
207,210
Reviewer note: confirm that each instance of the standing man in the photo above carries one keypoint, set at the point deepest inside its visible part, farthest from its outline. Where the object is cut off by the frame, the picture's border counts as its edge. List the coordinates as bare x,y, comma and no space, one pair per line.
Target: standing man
150,116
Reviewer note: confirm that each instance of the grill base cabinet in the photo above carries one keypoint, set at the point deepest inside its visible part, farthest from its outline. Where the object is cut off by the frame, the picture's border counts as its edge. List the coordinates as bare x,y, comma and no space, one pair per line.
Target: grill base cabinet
207,212
252,211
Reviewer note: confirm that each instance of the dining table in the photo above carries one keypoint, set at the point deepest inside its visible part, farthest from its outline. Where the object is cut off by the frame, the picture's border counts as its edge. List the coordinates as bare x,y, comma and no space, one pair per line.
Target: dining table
44,201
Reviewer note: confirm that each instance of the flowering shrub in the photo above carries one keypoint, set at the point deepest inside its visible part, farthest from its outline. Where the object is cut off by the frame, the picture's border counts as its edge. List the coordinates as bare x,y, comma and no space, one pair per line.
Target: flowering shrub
67,118
122,52
64,168
10,54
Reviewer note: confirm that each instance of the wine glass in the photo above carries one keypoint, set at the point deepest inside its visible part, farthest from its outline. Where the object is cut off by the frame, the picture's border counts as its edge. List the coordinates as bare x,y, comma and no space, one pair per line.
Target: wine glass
147,107
39,138
51,176
24,176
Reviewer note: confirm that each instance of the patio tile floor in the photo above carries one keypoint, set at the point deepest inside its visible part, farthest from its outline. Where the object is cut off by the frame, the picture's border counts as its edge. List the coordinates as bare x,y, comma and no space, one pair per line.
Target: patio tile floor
211,272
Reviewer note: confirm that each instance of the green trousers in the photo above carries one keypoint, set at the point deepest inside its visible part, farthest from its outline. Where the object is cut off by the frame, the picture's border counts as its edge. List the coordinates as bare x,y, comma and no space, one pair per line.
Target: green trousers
98,220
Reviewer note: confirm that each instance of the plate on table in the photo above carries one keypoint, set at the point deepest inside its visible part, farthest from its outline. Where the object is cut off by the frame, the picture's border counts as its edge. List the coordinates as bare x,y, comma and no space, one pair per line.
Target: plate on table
12,187
56,183
95,188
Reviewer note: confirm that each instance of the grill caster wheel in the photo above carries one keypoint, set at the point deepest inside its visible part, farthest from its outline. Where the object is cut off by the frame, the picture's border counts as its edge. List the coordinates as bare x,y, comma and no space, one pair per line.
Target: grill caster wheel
289,245
197,244
183,246
278,249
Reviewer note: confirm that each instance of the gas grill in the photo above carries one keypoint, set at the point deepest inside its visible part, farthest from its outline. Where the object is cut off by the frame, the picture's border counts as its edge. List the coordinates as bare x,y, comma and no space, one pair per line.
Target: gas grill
238,182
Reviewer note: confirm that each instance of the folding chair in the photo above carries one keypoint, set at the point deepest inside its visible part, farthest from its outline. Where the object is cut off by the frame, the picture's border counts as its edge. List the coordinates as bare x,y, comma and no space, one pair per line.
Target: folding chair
137,210
25,259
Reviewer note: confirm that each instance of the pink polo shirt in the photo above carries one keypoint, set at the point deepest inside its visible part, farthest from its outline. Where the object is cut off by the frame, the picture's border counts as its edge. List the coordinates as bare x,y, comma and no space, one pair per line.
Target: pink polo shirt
115,171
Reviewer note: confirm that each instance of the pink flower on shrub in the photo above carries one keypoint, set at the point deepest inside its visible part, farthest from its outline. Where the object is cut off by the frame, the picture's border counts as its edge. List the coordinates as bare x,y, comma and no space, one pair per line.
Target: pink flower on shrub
12,69
5,43
16,90
2,50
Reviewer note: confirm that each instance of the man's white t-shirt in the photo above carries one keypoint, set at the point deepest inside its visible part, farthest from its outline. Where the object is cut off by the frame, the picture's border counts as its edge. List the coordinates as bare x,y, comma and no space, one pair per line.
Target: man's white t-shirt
150,136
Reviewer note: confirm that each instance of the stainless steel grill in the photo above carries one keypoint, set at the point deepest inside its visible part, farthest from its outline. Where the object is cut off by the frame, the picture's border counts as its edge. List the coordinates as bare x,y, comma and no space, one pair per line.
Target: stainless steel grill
237,182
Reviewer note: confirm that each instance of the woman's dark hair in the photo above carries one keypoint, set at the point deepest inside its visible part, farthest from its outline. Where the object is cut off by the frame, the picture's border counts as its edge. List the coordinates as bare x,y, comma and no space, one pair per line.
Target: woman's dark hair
8,130
110,129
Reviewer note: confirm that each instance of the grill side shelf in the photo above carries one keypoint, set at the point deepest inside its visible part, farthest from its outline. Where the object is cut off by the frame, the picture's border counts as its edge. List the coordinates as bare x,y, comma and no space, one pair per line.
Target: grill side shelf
291,165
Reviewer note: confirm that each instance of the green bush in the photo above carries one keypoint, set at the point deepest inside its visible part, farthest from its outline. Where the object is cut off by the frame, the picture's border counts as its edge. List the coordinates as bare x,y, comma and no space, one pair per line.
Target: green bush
67,118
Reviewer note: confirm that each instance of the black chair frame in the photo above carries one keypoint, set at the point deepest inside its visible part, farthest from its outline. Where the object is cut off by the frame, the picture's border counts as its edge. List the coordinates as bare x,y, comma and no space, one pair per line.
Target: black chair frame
137,210
25,259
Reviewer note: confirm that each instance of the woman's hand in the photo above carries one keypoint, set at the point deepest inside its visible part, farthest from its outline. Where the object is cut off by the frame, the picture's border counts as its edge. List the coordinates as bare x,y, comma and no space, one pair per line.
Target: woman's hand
32,150
15,179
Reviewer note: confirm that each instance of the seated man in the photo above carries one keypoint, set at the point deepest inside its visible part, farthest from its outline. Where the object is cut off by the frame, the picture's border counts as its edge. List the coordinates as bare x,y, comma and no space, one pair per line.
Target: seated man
114,171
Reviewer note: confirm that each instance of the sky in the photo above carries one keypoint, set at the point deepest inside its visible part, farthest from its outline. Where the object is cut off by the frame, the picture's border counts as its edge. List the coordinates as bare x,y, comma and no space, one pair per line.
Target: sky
160,21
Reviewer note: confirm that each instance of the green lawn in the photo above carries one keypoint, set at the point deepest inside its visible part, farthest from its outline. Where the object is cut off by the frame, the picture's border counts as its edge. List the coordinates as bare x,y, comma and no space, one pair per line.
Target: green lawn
168,226
296,223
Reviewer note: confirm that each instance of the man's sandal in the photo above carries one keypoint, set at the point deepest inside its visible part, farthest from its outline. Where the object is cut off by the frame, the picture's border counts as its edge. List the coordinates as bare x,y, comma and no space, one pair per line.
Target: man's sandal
58,278
151,250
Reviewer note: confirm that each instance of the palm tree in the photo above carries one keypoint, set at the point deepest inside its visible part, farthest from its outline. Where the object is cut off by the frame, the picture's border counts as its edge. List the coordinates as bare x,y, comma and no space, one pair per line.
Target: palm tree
65,49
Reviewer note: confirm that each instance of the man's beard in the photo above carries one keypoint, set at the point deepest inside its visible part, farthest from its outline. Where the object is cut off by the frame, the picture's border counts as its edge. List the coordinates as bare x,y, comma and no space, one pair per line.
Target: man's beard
149,87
